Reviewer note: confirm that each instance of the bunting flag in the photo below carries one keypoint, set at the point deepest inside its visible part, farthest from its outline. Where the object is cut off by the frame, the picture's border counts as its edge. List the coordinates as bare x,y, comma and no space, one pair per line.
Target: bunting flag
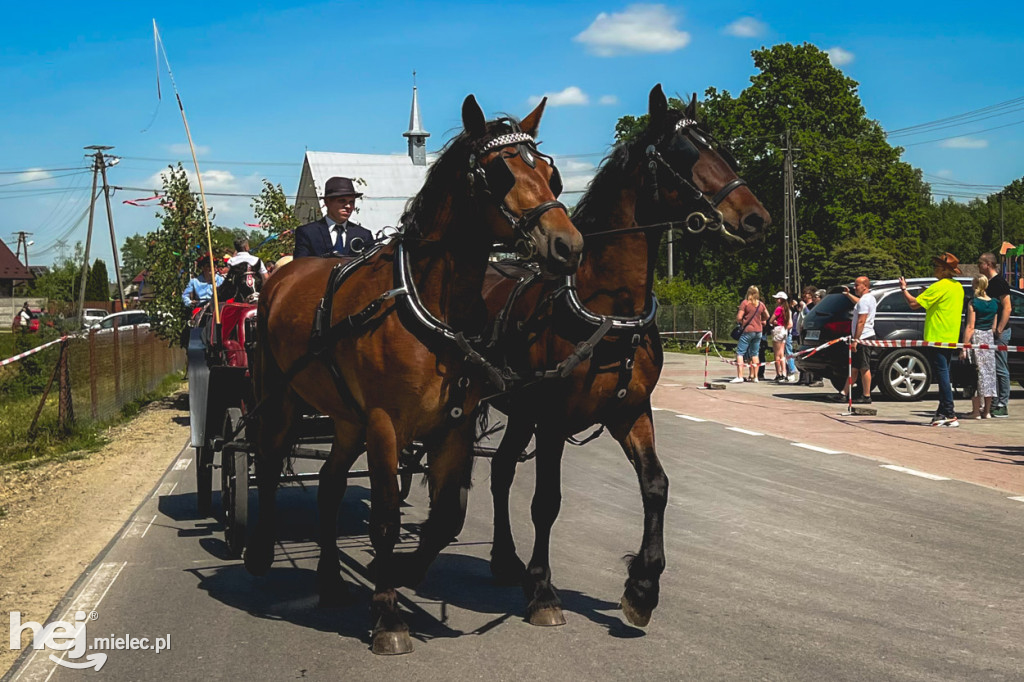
141,202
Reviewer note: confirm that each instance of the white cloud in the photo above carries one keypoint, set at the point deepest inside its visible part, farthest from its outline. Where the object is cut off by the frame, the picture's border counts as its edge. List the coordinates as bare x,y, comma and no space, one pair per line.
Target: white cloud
571,96
608,99
944,173
746,27
34,175
964,143
638,28
182,149
574,166
230,211
838,56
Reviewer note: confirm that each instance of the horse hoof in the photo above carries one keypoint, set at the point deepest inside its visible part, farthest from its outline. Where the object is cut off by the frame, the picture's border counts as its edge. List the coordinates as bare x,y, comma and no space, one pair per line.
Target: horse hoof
388,643
547,617
635,617
259,558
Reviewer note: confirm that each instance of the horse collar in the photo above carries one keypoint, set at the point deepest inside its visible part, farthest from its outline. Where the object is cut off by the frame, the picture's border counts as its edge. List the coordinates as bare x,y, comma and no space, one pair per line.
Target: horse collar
622,323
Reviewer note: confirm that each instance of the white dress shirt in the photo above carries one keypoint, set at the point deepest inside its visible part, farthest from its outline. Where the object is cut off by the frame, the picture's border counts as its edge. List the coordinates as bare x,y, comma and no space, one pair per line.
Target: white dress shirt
334,228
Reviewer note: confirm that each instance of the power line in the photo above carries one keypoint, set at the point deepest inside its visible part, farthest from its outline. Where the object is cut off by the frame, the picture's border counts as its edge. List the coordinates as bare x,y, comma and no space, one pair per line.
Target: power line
43,170
1015,102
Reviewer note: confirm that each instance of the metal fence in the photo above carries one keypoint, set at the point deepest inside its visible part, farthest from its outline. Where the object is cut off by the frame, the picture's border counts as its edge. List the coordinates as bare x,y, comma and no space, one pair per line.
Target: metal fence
93,376
680,318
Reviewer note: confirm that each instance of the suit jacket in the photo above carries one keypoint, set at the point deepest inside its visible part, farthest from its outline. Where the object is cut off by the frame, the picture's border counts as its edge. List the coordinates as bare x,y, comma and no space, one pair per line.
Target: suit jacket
314,239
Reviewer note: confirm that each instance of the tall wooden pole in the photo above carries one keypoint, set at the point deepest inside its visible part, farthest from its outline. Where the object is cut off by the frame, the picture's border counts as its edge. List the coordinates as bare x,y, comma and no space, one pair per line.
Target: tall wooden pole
88,240
110,221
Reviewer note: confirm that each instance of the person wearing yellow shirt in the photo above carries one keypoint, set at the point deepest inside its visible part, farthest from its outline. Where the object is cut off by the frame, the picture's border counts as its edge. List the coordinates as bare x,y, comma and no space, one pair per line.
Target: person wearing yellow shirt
943,303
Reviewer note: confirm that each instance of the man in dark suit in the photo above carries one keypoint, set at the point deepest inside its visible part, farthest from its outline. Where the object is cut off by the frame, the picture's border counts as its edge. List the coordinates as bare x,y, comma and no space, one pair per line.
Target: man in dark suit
334,232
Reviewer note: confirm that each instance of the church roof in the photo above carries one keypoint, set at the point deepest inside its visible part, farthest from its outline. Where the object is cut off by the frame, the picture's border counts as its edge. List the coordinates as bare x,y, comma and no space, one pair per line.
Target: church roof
10,266
388,181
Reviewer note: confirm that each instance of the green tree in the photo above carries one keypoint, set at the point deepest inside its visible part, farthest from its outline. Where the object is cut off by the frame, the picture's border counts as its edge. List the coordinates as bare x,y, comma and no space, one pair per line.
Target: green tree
97,286
172,252
856,258
133,256
850,181
277,218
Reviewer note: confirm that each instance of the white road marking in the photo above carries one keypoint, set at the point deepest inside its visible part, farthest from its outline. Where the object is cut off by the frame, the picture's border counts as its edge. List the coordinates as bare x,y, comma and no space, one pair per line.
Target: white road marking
39,666
165,489
1017,499
182,463
744,431
148,526
657,409
693,419
805,446
914,472
669,385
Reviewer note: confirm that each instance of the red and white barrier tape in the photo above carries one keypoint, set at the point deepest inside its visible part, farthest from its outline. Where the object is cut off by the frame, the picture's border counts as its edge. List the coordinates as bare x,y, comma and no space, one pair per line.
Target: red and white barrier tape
21,356
909,343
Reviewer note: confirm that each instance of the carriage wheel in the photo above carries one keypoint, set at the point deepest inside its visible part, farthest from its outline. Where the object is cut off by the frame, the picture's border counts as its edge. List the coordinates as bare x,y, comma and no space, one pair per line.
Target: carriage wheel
204,480
234,487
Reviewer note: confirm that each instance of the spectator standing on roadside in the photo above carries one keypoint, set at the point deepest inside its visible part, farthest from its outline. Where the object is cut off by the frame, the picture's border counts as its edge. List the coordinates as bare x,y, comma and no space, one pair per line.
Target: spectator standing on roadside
782,322
943,303
751,317
861,329
999,291
981,321
24,317
807,296
796,309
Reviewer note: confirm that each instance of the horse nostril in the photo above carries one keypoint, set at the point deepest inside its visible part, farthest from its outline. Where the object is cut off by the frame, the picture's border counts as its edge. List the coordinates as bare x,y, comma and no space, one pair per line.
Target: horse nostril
562,249
753,222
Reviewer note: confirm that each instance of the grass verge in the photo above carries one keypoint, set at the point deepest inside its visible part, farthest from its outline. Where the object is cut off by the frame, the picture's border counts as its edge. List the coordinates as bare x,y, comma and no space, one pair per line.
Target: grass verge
50,443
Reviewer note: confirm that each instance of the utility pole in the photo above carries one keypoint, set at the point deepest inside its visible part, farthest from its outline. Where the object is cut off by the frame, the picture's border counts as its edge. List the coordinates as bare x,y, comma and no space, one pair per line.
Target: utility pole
99,166
790,248
1003,235
97,159
110,222
22,242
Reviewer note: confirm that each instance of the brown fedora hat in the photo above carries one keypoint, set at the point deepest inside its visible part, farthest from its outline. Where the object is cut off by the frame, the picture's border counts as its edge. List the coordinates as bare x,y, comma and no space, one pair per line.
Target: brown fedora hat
949,261
340,187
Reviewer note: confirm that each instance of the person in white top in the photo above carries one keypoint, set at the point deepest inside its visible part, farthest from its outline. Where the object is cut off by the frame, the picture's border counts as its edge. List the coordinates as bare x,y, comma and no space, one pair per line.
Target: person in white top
242,255
862,327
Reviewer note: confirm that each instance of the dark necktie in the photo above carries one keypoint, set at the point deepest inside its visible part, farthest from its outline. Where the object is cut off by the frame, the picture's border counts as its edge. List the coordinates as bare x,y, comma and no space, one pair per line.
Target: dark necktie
339,244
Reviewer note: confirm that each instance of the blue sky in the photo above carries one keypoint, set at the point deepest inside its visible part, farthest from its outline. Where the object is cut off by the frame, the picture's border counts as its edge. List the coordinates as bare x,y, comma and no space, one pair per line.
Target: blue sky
264,81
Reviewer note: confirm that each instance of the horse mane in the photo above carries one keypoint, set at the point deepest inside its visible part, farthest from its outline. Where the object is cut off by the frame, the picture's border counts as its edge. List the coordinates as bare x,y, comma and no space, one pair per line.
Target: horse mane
602,192
445,189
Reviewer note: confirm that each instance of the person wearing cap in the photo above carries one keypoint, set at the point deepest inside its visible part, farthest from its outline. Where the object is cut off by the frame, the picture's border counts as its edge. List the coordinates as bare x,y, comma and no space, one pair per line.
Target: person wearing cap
782,322
943,303
334,233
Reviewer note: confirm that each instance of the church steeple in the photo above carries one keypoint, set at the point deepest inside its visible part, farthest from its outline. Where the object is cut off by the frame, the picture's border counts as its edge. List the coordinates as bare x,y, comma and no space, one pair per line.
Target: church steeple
416,135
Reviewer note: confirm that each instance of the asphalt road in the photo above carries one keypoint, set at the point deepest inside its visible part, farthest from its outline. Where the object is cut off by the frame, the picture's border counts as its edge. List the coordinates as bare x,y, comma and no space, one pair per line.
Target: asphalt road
783,564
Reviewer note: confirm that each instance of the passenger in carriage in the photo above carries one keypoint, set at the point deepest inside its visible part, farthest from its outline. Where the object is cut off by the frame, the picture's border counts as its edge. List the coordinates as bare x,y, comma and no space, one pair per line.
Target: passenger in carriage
246,274
334,233
199,289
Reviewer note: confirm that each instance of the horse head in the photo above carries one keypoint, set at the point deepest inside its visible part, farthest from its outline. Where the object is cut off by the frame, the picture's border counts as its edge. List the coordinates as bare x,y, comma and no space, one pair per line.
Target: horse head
690,172
510,192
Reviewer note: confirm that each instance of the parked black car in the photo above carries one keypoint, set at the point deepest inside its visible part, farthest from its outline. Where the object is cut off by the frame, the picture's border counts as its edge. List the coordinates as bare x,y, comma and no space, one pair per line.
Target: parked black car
901,373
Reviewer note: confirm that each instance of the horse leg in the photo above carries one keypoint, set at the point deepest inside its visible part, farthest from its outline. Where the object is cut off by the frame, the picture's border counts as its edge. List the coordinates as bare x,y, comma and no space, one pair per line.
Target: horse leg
273,443
506,567
390,633
544,607
333,482
645,569
450,470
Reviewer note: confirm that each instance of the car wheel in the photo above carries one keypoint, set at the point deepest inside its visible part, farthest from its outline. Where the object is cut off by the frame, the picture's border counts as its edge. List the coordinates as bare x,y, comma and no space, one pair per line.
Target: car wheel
906,375
838,382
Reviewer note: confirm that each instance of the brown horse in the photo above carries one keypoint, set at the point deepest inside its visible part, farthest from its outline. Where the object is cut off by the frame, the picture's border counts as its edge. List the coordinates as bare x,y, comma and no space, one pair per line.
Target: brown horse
389,363
669,176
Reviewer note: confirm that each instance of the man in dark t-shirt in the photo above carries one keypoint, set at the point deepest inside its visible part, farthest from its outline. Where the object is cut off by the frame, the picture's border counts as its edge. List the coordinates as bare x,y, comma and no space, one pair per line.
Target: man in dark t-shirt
999,290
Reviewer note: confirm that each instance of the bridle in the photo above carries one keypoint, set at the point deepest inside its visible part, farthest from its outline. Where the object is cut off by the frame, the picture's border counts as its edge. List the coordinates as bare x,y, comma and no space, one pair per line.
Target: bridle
496,180
709,216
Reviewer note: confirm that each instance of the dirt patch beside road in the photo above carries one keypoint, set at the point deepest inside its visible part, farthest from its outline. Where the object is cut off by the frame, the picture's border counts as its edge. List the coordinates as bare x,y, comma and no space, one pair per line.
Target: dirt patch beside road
60,515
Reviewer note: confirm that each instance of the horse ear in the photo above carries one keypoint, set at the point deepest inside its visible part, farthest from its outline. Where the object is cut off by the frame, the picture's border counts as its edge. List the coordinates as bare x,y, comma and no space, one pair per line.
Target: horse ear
691,108
657,105
530,124
473,119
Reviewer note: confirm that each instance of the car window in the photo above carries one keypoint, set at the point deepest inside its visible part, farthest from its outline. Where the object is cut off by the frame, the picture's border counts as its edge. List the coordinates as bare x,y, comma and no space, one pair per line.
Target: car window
1016,304
832,305
895,302
106,324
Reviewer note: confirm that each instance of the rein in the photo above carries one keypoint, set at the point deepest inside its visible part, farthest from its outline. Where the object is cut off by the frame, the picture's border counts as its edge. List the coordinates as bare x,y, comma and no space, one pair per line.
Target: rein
698,220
